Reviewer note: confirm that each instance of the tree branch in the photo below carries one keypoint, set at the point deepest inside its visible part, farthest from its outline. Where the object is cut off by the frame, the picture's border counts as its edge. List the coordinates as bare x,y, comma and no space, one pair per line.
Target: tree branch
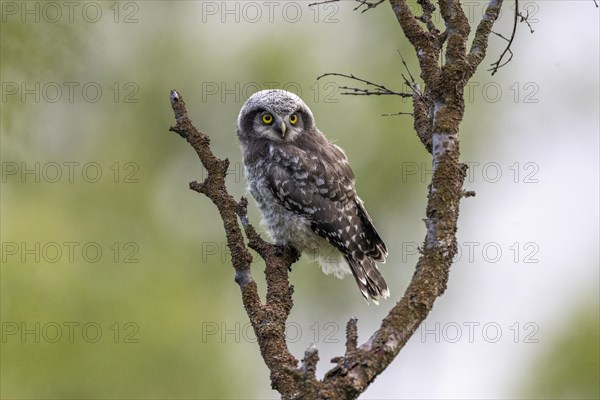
482,34
426,44
268,321
457,30
437,128
379,90
438,111
428,9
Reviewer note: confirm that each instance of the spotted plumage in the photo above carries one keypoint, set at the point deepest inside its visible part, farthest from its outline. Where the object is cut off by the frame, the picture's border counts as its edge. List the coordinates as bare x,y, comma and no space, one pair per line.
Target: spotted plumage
305,190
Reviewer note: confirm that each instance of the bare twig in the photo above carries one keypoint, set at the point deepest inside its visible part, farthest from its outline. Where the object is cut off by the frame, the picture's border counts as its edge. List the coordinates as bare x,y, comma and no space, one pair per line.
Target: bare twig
518,17
318,3
412,84
396,114
495,65
382,90
368,4
525,18
412,79
379,90
498,64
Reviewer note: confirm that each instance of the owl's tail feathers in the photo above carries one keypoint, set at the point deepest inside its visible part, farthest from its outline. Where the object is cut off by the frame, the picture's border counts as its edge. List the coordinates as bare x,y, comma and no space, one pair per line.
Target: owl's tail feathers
369,279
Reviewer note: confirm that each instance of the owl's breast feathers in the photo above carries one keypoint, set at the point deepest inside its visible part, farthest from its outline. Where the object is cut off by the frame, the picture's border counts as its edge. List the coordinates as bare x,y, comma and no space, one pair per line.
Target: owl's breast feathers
304,187
317,182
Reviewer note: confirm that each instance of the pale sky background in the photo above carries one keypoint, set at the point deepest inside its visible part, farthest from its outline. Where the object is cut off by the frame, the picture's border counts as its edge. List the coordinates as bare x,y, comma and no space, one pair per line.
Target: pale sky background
557,215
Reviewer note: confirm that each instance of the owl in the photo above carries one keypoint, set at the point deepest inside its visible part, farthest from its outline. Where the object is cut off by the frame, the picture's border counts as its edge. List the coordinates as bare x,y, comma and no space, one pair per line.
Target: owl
304,187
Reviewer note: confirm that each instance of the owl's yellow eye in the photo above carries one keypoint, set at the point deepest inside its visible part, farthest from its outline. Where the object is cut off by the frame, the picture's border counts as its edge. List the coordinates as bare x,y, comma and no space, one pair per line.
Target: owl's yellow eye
267,119
293,119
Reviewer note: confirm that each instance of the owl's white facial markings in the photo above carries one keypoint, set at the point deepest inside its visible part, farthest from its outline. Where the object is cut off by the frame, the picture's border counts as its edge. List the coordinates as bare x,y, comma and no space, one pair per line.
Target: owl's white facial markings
279,128
304,188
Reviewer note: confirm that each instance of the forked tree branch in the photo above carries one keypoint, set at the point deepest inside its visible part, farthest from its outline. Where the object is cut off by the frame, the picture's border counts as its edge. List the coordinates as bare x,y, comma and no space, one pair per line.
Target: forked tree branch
438,111
268,320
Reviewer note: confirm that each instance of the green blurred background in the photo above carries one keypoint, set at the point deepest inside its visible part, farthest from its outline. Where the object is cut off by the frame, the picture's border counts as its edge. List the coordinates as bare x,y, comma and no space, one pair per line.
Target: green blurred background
115,277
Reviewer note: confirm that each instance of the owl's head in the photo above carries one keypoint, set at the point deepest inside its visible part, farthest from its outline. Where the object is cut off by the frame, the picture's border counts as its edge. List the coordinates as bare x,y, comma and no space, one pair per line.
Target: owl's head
275,115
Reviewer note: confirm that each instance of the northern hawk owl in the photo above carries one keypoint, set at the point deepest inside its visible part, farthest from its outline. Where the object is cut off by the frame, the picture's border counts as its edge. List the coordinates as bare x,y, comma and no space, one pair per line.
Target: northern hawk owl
304,188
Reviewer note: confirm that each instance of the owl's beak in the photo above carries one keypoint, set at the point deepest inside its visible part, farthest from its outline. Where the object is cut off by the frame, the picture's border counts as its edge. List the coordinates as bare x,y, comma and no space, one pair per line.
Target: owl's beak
283,128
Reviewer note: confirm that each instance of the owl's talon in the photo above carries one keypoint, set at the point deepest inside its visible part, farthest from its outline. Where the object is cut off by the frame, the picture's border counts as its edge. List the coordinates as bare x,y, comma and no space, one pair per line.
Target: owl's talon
296,254
284,248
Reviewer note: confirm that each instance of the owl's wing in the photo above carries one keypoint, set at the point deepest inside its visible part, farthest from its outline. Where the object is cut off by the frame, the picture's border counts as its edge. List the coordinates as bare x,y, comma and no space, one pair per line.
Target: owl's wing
319,184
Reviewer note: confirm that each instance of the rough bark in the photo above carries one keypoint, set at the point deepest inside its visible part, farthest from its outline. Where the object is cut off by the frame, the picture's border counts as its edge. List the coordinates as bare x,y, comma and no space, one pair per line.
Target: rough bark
438,111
